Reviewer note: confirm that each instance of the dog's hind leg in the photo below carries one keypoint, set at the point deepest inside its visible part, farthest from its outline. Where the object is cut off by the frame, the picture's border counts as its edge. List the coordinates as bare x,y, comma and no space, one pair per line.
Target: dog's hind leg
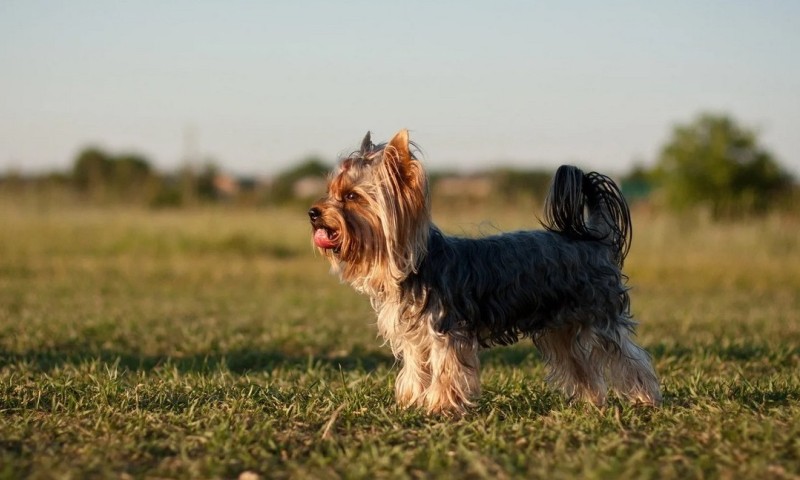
631,372
575,360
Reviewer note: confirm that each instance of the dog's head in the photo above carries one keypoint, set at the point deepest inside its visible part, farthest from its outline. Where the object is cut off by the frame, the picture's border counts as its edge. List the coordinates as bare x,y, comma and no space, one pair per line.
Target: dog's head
373,222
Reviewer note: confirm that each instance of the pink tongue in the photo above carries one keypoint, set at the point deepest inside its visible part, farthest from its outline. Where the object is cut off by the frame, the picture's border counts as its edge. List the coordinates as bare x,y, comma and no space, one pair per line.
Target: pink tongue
322,240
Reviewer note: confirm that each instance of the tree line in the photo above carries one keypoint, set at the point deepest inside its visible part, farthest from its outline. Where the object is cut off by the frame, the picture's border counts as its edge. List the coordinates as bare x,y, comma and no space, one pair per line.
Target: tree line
711,162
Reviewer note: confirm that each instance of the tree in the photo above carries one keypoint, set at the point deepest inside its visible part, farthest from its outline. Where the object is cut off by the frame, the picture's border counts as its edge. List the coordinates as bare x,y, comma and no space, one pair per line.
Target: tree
105,177
92,170
283,187
716,163
511,184
132,174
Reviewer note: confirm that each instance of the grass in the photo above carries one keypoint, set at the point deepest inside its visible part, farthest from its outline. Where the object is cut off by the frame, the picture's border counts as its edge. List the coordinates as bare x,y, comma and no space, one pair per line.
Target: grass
208,343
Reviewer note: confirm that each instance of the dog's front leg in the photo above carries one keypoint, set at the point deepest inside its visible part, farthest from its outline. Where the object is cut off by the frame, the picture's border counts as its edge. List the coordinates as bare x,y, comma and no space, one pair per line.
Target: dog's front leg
414,350
455,370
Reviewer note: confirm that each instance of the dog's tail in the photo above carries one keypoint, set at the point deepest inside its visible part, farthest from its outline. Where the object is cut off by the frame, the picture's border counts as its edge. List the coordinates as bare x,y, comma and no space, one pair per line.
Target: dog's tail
589,206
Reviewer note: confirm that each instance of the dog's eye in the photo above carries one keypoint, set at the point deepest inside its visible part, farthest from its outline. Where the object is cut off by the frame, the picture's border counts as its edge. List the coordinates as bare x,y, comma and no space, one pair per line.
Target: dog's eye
351,196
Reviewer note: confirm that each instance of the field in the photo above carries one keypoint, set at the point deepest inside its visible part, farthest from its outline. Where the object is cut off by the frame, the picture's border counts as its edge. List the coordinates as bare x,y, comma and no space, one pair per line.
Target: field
211,342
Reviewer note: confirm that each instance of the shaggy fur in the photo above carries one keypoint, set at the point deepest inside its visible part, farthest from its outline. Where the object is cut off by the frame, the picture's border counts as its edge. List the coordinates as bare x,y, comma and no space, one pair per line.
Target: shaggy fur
439,299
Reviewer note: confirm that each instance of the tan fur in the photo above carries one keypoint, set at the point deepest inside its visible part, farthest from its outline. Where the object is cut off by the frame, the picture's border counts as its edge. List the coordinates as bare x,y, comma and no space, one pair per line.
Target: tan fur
576,360
376,249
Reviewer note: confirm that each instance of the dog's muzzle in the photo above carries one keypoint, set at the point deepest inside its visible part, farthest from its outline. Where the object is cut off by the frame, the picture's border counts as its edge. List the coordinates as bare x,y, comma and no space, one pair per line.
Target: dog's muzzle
323,237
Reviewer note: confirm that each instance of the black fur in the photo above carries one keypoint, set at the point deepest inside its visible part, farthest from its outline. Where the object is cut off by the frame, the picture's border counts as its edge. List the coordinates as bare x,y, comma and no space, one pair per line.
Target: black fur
508,286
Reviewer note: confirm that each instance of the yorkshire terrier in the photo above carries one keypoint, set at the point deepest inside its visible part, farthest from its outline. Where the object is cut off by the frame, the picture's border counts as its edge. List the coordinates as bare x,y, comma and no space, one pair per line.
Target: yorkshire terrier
439,299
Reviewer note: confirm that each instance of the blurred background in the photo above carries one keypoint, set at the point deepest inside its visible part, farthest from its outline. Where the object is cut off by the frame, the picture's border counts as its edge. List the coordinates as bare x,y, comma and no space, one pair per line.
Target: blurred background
163,313
168,104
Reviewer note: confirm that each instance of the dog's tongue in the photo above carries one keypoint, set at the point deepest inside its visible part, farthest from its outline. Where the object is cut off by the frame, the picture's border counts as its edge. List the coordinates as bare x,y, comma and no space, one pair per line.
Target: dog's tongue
322,240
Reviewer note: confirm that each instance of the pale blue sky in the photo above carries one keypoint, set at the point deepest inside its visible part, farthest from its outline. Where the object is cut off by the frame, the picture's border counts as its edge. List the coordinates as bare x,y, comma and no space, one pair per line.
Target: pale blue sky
259,85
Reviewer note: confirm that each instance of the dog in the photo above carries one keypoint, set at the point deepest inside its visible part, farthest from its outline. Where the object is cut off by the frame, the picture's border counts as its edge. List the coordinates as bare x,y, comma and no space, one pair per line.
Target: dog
439,299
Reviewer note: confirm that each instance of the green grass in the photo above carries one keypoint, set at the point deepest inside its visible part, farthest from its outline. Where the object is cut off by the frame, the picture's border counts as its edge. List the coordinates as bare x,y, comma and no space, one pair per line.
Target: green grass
204,344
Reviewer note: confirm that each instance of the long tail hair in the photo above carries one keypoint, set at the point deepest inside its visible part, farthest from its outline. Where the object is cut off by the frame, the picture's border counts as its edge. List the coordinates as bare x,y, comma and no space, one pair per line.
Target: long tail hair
589,206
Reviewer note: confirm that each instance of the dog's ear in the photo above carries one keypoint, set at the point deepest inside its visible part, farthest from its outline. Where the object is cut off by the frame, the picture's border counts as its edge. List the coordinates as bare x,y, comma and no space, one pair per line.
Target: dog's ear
366,144
398,158
397,150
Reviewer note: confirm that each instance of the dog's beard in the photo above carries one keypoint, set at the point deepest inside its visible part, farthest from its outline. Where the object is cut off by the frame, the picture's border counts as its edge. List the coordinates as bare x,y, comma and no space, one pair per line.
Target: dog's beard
355,244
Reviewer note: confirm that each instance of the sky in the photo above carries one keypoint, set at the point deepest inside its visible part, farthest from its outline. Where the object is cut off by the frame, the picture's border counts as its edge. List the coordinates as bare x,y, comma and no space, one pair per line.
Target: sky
259,86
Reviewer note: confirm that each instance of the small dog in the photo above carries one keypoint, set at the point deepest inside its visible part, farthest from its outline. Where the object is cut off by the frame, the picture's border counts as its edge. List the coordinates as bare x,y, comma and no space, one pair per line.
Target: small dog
439,298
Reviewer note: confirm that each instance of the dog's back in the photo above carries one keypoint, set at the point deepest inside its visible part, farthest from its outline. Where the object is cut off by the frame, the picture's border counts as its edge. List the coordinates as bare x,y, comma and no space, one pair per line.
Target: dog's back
505,287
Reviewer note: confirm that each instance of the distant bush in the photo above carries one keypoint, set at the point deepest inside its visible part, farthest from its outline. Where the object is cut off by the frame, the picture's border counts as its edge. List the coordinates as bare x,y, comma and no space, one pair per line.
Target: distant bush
105,177
283,188
102,177
511,184
715,163
637,184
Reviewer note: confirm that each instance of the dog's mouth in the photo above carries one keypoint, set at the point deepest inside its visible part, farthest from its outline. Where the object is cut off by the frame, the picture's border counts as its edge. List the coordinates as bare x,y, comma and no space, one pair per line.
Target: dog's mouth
326,238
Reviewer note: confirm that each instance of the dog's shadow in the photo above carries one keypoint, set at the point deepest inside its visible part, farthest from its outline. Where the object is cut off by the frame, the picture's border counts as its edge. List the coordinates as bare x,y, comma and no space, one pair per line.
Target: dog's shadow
520,354
751,395
241,361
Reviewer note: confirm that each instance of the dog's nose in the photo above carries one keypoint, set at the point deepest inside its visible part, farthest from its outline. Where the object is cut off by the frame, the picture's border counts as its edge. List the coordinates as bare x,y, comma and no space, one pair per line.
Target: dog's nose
314,214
